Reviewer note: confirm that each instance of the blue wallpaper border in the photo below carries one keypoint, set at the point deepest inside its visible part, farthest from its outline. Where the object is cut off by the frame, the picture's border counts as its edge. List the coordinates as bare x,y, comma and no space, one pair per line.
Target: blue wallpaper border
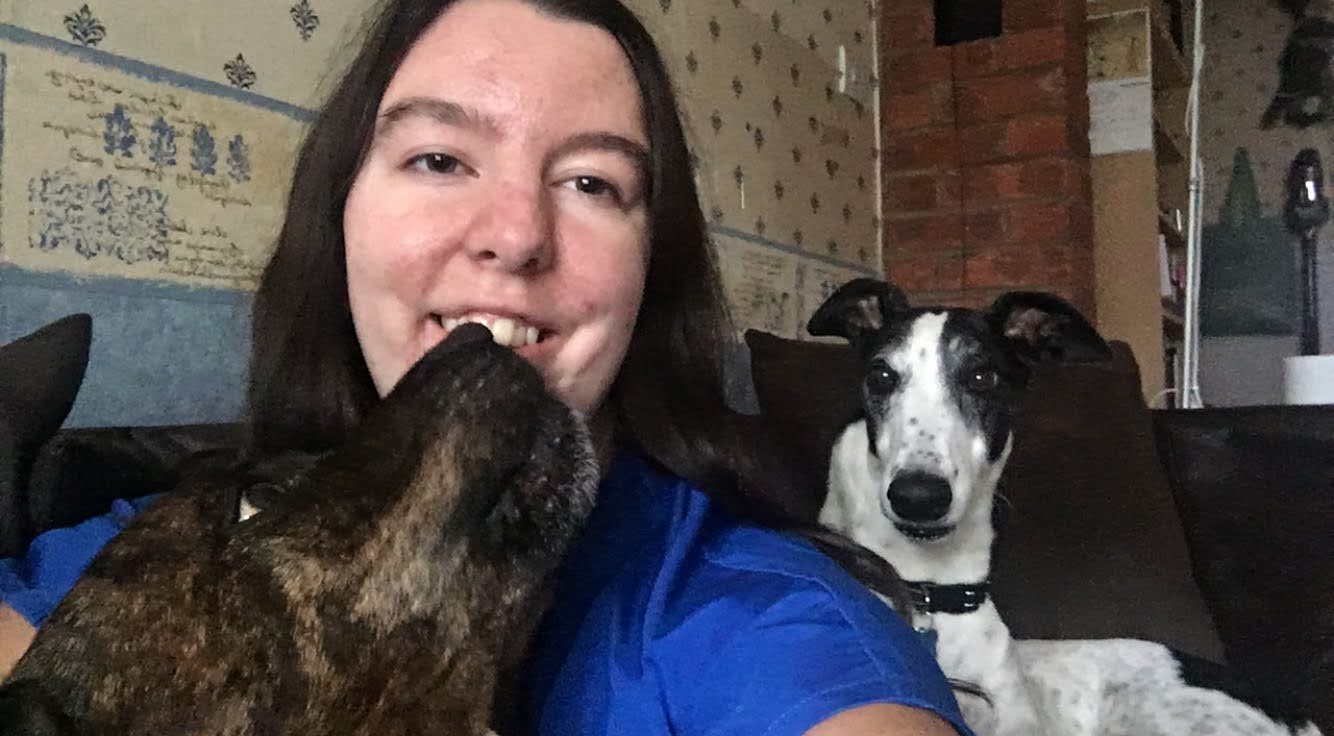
16,34
12,275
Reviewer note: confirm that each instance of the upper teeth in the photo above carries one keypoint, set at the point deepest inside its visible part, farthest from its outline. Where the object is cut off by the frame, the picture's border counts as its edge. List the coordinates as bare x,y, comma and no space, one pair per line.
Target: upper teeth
504,331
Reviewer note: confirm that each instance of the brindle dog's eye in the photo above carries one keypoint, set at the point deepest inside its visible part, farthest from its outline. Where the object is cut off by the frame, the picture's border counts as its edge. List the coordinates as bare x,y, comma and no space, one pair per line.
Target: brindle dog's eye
881,379
983,380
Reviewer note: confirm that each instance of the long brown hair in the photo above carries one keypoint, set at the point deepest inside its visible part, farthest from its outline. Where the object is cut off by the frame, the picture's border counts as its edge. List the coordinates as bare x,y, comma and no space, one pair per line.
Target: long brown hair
309,385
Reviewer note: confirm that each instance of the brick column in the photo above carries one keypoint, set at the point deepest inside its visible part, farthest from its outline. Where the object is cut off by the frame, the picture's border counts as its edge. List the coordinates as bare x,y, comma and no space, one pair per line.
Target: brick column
986,159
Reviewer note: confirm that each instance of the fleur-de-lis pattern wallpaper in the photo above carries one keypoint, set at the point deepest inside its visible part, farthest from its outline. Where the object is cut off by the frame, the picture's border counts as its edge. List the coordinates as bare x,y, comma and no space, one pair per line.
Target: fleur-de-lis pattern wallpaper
1249,265
167,129
1245,42
785,145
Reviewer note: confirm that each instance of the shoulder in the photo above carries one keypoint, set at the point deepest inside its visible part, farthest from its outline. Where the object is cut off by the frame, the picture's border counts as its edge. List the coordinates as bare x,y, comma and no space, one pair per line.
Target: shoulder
716,571
35,583
760,630
758,584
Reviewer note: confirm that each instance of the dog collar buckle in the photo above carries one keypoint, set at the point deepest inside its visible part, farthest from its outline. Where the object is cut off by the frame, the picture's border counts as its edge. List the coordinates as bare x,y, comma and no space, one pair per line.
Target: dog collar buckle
957,598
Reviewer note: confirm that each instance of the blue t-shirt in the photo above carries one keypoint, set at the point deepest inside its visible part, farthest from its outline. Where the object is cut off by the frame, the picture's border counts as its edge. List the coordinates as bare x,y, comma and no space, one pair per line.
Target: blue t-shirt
34,584
671,617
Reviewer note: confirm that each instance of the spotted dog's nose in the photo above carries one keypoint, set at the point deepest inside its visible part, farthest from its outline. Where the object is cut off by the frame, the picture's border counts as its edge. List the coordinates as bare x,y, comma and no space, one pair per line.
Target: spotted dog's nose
919,497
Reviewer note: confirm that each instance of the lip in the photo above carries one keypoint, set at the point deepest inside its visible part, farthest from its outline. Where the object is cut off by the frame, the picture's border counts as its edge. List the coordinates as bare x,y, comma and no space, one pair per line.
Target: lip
518,316
536,353
924,532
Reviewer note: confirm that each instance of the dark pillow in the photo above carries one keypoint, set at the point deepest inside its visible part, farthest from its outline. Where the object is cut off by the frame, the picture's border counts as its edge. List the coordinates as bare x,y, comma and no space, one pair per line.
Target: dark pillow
1092,547
1256,491
807,393
79,472
40,375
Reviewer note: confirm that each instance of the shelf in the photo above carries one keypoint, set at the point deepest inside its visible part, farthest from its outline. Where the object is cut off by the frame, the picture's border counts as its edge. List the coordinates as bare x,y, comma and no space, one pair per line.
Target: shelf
1168,147
1176,240
1136,198
1174,321
1170,70
1169,67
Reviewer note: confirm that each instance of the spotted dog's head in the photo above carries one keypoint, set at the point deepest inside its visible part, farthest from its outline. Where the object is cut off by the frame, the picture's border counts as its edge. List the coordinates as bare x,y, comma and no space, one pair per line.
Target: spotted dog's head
939,387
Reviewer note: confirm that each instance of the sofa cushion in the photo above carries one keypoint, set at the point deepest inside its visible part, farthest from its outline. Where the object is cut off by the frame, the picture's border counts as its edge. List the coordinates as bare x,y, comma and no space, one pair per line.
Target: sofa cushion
807,393
1256,491
40,375
1092,547
79,472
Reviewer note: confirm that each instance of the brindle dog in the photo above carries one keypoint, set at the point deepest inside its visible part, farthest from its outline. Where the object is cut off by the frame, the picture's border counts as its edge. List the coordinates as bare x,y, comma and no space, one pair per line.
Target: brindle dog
380,593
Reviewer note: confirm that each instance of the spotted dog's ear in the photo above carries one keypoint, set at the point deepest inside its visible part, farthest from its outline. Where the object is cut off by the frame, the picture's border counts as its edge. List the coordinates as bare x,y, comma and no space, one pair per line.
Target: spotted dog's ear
1045,327
857,309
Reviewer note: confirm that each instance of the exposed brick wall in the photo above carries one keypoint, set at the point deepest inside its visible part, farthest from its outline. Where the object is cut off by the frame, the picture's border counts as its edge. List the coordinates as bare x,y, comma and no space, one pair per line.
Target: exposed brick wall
986,160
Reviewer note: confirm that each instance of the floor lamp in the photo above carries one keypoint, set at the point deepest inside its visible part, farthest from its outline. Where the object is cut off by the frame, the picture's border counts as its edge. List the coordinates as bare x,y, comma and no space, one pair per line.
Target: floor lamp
1305,212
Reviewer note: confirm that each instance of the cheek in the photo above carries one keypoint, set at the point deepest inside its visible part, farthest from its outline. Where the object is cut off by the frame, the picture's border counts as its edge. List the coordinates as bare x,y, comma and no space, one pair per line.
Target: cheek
365,245
608,283
384,277
386,239
605,291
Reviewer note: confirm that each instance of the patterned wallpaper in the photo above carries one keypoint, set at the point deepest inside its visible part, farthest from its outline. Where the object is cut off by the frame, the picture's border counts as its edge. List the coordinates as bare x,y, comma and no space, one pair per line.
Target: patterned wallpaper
145,148
1244,40
785,159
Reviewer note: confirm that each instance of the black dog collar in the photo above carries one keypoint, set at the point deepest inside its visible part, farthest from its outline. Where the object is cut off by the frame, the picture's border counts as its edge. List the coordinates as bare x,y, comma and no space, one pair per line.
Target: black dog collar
958,598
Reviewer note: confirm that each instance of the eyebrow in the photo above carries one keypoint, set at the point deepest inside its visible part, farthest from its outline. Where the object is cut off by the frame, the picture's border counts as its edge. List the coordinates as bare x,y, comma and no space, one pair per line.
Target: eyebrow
438,110
635,151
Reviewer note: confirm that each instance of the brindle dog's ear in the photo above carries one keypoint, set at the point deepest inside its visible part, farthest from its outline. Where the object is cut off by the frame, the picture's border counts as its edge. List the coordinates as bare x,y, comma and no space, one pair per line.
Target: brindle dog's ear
1044,327
859,308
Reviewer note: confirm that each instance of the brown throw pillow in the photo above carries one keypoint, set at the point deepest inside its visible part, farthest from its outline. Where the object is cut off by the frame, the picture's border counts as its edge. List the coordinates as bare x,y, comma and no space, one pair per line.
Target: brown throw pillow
807,393
1091,545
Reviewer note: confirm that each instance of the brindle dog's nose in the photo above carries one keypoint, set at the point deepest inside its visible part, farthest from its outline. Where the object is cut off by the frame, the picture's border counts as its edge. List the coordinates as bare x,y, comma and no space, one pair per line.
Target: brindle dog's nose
467,334
920,497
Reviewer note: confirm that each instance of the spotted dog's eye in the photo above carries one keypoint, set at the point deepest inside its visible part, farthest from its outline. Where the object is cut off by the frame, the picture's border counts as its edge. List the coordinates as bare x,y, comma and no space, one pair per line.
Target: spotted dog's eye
881,379
983,380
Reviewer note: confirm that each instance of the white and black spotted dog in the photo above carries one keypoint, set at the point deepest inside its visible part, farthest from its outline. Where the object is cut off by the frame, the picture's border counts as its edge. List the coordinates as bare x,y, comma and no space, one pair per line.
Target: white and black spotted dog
914,479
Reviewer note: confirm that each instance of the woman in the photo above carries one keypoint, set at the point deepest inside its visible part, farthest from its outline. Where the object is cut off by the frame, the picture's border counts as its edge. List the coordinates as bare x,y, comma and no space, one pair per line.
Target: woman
521,163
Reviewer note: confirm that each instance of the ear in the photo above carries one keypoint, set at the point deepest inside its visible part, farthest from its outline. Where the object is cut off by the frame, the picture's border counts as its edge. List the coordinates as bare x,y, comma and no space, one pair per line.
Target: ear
1045,327
40,376
857,309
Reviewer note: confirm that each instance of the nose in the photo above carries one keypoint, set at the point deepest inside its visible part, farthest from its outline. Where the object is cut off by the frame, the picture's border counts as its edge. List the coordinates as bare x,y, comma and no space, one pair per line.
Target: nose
515,232
919,497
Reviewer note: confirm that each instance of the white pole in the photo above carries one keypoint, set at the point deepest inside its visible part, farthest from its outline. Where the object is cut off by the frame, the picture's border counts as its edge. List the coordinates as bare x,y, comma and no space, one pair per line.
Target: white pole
1190,388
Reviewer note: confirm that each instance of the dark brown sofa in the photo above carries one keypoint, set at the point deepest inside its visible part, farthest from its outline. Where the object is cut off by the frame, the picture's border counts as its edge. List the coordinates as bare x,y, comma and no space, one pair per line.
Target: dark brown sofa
1211,531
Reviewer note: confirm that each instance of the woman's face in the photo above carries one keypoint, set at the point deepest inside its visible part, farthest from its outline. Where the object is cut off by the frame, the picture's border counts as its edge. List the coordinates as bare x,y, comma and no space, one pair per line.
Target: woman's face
506,184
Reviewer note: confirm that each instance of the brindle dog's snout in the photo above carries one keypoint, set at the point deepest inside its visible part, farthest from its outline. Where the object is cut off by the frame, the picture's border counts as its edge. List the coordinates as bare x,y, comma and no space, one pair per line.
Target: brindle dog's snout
477,384
379,588
466,334
920,497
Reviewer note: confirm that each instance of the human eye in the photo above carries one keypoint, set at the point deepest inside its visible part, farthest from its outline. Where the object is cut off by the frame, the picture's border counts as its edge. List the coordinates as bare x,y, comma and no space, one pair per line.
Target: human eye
597,187
435,163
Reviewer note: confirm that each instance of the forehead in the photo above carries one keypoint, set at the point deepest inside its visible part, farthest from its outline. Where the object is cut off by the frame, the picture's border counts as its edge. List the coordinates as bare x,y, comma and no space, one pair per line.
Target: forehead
520,66
933,336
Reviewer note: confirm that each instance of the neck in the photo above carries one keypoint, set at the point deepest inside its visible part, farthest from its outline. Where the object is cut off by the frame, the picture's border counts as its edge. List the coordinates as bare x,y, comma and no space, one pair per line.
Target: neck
962,557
